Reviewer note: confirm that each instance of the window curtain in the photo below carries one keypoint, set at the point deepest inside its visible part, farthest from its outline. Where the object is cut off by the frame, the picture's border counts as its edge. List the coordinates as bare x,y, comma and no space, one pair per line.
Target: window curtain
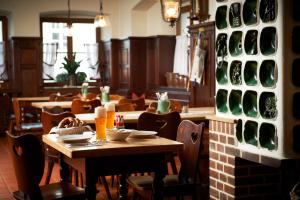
3,70
49,60
92,51
181,55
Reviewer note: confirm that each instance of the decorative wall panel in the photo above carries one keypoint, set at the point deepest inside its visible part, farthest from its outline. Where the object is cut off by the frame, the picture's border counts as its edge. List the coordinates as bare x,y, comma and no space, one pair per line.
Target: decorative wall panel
257,74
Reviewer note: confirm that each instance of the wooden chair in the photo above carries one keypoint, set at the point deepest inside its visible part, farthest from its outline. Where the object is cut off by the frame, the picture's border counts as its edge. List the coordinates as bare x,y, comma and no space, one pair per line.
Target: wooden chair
91,96
140,103
63,97
53,110
164,124
80,106
28,159
50,120
26,119
187,181
4,112
115,97
125,107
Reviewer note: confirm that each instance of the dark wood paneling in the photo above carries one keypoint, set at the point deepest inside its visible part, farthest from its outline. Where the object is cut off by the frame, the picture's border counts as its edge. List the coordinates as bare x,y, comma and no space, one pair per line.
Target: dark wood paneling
160,59
111,49
26,65
203,94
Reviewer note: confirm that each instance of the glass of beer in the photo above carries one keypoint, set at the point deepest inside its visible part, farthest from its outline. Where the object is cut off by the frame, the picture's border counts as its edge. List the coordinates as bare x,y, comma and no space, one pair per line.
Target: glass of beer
110,115
100,122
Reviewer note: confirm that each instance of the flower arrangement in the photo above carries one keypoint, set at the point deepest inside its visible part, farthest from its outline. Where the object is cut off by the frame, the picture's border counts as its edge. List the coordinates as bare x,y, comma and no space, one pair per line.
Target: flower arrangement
71,66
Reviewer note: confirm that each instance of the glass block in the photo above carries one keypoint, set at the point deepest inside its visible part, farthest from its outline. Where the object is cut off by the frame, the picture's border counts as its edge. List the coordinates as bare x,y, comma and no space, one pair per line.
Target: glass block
268,105
235,15
268,41
238,130
268,73
250,73
235,43
235,102
296,105
221,16
221,45
268,10
250,43
267,136
235,72
222,100
250,103
296,72
250,132
250,12
221,72
296,39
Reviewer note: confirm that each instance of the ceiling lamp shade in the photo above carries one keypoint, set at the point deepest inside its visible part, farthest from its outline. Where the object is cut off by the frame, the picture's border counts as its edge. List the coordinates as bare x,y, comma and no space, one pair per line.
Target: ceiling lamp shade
170,10
101,20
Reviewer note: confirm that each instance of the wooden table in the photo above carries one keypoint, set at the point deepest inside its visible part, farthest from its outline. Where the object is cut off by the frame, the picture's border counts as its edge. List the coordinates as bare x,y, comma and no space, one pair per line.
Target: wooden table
67,104
119,157
38,99
193,114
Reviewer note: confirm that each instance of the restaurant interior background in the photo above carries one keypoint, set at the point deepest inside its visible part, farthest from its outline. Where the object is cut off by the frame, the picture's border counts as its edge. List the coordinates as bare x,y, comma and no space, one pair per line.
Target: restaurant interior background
136,52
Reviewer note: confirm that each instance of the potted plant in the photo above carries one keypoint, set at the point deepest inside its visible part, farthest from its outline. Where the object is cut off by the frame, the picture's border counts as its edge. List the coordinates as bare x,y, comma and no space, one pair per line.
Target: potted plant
71,66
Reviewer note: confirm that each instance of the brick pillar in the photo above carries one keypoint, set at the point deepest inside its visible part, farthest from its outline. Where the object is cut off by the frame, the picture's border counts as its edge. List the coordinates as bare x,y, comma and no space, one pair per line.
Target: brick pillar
235,174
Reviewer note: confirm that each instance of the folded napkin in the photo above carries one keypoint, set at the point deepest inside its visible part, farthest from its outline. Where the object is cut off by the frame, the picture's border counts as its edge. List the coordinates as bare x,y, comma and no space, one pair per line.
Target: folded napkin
70,130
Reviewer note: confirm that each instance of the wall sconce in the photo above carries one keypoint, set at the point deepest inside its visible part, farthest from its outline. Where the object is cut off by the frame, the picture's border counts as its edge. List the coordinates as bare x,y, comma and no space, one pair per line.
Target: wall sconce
170,10
101,20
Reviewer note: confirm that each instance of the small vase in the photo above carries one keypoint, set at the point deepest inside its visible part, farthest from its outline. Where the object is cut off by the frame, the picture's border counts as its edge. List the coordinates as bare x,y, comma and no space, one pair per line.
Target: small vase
72,80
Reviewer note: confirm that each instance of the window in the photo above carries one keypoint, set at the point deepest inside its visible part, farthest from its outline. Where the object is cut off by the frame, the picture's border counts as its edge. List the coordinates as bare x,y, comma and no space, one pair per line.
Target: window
3,51
56,46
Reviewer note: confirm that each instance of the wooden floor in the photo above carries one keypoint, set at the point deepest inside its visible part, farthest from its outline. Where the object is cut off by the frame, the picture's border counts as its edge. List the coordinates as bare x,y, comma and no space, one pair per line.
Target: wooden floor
8,183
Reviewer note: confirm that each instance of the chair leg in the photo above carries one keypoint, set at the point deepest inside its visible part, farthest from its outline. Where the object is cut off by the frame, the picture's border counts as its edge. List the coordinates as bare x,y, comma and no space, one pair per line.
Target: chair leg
49,171
105,184
173,165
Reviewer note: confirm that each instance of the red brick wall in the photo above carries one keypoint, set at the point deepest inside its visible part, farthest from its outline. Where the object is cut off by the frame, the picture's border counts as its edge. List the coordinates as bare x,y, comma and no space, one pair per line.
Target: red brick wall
233,176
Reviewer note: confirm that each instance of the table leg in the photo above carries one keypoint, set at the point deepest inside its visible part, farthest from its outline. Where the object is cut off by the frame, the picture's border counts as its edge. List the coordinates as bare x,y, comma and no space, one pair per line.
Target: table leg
90,184
64,170
158,185
123,187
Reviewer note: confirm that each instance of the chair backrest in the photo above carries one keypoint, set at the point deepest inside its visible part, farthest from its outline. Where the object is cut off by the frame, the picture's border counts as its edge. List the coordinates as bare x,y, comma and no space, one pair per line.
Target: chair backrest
175,105
165,124
115,97
140,103
53,110
63,97
190,134
17,111
125,107
80,106
91,96
29,160
50,120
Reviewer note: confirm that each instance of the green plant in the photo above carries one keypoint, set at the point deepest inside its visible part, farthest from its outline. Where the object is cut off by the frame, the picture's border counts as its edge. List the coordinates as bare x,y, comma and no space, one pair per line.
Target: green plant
71,66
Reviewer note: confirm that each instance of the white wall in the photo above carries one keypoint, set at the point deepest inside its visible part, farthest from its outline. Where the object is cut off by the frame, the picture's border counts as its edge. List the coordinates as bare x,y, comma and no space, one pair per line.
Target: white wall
23,17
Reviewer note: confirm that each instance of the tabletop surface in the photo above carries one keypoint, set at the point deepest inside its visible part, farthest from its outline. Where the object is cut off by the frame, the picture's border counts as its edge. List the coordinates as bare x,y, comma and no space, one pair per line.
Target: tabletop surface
196,113
130,146
32,98
67,104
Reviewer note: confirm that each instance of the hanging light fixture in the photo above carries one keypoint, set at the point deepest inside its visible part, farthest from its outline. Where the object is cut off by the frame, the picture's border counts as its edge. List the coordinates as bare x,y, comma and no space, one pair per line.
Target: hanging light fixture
170,10
101,20
69,28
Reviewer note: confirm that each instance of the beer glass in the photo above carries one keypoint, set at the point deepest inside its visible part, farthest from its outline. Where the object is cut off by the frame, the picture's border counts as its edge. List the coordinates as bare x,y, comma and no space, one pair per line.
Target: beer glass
100,122
110,115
